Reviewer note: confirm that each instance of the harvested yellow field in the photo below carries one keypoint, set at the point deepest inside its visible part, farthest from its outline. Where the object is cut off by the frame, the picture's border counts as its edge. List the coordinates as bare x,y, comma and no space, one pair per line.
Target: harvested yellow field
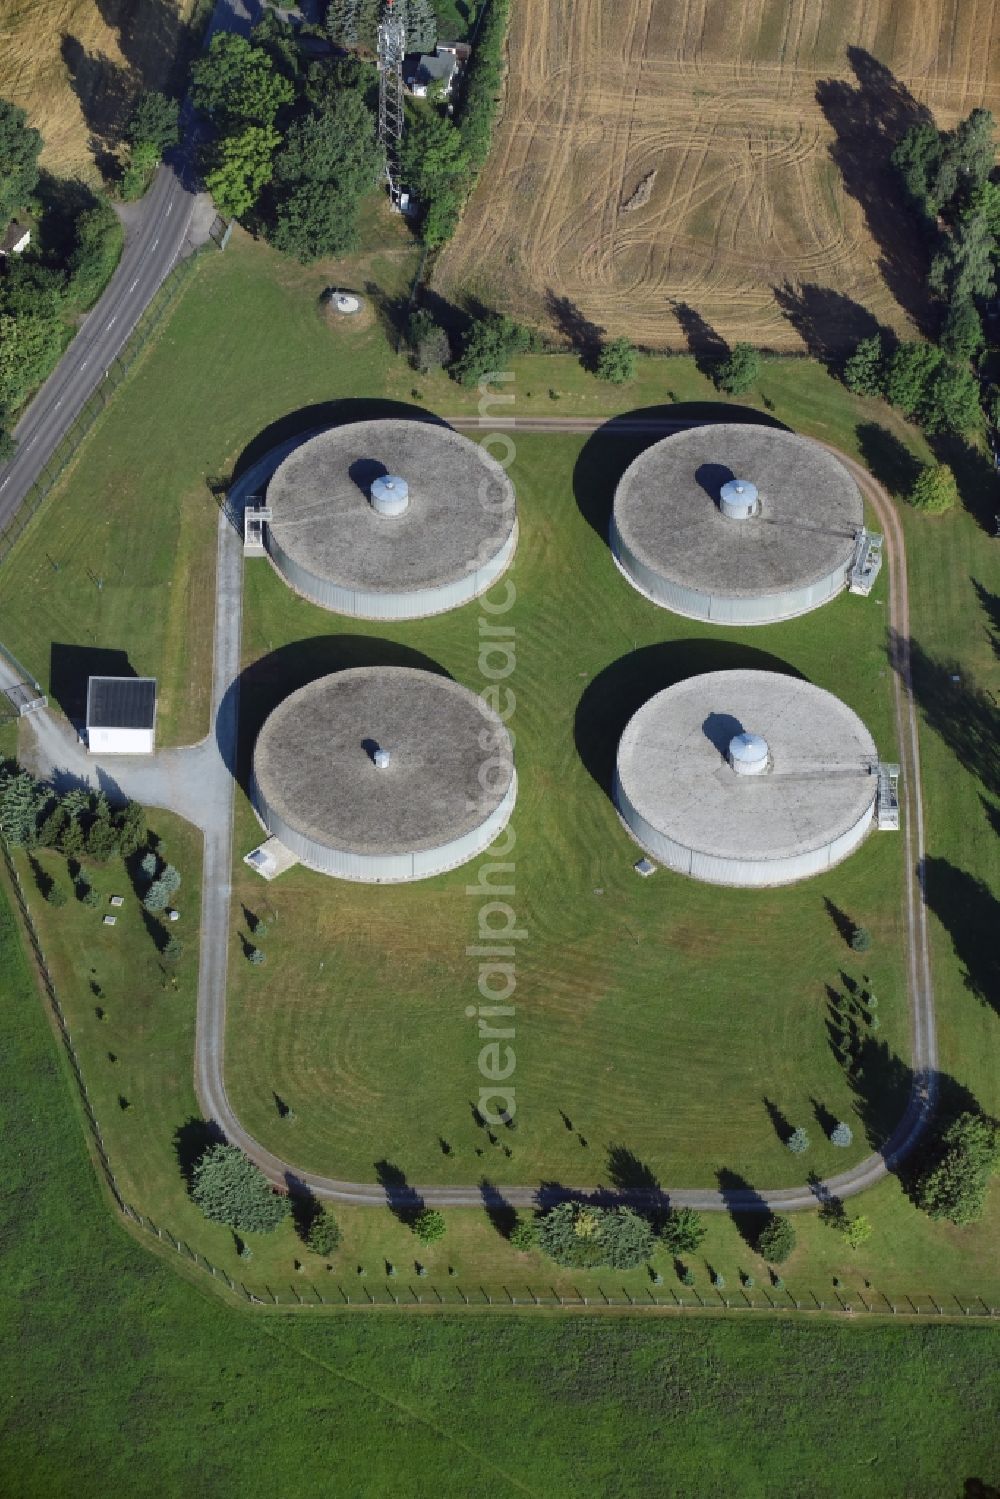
75,64
669,168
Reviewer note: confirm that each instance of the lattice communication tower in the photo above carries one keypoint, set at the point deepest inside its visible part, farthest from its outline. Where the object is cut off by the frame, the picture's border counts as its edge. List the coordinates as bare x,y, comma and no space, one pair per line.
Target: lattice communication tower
391,47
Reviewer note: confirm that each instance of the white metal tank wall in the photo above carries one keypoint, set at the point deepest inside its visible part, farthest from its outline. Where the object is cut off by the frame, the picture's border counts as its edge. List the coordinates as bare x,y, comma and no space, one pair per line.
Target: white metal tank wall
746,872
386,869
416,604
760,610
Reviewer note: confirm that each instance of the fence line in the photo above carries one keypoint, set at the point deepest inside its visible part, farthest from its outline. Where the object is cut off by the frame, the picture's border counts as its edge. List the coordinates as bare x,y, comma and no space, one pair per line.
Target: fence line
66,449
451,1293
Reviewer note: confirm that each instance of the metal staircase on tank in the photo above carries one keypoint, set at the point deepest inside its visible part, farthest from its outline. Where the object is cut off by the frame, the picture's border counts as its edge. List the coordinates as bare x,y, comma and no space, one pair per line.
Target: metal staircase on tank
255,516
887,797
866,563
391,47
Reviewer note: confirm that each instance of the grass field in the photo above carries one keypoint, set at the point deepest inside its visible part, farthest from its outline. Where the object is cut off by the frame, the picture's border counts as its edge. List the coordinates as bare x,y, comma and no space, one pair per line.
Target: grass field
74,65
121,1377
629,993
771,216
259,315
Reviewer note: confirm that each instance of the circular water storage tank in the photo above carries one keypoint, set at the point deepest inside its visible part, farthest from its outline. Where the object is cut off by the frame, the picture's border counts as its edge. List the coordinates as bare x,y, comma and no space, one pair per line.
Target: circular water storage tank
383,774
797,512
746,778
340,536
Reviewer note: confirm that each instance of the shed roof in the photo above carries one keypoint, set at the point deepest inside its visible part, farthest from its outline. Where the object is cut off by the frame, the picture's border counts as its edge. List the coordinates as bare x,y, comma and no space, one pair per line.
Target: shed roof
121,702
13,235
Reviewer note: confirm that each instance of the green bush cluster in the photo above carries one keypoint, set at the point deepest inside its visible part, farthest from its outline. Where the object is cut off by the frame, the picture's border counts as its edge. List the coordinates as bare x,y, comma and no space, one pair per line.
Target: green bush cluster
580,1235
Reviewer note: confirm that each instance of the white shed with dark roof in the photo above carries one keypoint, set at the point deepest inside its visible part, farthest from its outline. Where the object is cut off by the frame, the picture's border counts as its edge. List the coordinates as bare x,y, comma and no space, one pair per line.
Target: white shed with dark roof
121,715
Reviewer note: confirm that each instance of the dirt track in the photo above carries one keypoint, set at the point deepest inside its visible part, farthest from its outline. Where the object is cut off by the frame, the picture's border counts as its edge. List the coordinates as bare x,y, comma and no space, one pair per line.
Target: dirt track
764,136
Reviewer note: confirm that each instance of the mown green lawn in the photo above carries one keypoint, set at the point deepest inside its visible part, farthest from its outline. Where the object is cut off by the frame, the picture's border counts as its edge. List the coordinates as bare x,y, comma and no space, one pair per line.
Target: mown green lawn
121,1376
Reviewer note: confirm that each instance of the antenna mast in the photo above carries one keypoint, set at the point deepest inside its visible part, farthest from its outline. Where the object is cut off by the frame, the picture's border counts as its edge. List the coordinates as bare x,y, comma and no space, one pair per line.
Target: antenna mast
391,47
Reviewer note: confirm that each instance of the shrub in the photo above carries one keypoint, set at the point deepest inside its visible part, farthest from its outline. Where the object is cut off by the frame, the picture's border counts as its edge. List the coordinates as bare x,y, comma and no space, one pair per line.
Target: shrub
55,894
577,1235
256,955
683,1231
718,1280
748,1280
90,897
490,345
149,864
687,1276
935,490
522,1235
230,1189
863,370
739,371
798,1141
429,1225
776,1240
616,362
841,1134
429,346
861,939
324,1233
173,949
857,1231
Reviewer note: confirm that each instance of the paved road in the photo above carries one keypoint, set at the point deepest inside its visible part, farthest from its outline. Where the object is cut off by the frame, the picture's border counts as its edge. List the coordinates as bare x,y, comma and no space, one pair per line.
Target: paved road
159,234
198,783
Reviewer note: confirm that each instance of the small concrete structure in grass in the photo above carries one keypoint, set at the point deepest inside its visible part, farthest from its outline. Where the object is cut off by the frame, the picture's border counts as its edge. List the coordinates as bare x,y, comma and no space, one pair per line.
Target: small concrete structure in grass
121,715
383,774
390,519
747,778
741,524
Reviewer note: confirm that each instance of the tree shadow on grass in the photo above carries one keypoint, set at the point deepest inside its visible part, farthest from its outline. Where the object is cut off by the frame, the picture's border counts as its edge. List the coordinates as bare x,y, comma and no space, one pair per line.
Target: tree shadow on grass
868,120
403,1201
303,1205
970,914
840,919
191,1140
829,323
316,418
977,479
609,451
583,336
780,1122
501,1213
962,714
748,1211
610,700
704,342
888,459
266,682
990,603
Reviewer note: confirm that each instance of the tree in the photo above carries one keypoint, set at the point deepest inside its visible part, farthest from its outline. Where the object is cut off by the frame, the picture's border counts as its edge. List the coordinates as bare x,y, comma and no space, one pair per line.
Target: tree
683,1231
718,1280
154,121
173,949
421,25
52,826
490,345
973,148
257,956
8,444
935,490
627,1238
776,1240
21,801
963,267
230,1189
929,176
435,167
841,1134
132,831
241,165
953,1185
429,1225
142,163
236,83
908,375
162,888
739,371
863,370
29,346
354,23
522,1235
72,842
861,939
149,864
102,839
98,248
687,1276
55,894
951,403
857,1231
798,1141
962,331
19,150
336,145
616,362
428,342
314,219
324,1232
